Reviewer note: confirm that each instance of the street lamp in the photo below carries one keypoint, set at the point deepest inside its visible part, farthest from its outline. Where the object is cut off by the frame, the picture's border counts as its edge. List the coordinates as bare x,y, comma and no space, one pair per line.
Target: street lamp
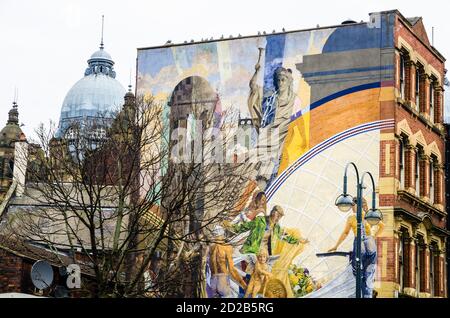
345,202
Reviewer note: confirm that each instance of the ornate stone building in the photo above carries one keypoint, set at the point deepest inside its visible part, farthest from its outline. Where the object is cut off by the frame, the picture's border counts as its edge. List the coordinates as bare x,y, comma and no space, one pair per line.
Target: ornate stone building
415,156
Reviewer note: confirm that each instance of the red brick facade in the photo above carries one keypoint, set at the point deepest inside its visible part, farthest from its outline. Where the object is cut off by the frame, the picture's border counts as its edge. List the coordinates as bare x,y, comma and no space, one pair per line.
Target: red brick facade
419,215
10,266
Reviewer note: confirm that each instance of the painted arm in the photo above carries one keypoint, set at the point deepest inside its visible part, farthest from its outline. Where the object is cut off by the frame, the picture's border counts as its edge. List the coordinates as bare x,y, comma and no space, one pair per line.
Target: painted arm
234,273
261,271
293,240
243,227
254,99
380,229
342,237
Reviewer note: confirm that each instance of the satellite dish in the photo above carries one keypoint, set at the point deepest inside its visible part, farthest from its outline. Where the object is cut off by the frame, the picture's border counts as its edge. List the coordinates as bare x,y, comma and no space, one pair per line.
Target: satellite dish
41,275
61,292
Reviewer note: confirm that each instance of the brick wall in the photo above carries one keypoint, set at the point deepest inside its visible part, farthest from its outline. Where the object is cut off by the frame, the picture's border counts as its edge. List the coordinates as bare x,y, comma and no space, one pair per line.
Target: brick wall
424,51
424,177
415,124
10,272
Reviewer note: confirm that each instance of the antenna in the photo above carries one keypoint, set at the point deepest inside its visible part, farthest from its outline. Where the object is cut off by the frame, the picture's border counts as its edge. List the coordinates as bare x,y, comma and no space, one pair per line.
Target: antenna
103,22
41,275
16,95
432,36
129,85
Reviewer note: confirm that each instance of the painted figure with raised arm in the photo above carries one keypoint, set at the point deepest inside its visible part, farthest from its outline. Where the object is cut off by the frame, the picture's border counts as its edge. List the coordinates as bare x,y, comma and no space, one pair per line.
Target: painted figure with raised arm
368,247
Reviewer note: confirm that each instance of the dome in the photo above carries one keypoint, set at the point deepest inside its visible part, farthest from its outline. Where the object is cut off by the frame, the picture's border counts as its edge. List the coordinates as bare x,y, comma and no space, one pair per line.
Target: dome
11,132
100,54
95,96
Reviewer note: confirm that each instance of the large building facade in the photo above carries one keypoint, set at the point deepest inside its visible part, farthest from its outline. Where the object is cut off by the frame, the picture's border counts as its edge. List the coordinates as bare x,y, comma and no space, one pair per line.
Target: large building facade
419,213
368,93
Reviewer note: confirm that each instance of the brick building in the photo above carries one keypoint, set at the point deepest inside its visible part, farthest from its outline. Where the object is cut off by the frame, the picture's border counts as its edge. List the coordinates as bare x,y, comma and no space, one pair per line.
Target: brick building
412,162
381,80
17,259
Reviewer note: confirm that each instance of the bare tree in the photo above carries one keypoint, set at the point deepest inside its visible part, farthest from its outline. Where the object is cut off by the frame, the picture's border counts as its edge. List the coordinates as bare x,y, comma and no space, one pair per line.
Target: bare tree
131,201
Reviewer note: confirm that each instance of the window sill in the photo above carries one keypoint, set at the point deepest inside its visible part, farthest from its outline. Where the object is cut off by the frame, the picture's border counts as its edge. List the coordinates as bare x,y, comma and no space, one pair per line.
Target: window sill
438,128
422,202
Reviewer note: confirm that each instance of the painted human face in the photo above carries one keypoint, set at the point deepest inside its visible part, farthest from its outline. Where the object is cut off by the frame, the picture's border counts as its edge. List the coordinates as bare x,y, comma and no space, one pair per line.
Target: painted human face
355,206
282,82
275,217
262,258
262,201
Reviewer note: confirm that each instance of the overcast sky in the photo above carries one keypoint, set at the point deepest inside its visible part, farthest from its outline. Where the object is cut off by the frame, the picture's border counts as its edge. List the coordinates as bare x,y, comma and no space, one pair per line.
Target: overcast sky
44,45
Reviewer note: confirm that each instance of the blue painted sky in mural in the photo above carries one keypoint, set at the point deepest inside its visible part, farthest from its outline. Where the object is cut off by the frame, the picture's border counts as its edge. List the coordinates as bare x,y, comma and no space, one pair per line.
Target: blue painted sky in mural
151,62
273,59
70,30
360,37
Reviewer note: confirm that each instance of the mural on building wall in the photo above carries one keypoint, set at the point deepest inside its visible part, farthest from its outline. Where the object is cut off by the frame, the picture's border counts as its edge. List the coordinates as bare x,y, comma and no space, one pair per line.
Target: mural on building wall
319,93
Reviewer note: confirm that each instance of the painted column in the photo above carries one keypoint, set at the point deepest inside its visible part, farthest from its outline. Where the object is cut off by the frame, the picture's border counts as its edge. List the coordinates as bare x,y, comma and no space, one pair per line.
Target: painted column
409,267
438,109
437,170
424,177
409,75
425,94
437,273
424,270
410,154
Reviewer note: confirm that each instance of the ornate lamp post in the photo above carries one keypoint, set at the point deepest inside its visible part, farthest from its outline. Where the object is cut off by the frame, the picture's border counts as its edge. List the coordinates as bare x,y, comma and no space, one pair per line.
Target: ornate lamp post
345,202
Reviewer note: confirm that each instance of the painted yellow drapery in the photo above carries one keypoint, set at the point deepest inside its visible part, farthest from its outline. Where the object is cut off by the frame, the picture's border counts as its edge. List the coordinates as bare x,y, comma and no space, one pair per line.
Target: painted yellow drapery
287,254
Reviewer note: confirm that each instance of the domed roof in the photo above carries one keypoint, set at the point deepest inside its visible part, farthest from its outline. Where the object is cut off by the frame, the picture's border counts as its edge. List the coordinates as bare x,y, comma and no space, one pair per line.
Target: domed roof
95,96
11,132
101,54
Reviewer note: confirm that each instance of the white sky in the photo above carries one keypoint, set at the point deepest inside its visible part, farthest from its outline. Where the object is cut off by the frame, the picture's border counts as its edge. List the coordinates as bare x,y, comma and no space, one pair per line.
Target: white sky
44,45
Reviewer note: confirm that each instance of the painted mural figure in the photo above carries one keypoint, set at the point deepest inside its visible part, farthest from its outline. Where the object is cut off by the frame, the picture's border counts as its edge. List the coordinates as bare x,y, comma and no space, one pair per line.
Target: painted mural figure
257,207
260,276
271,117
222,267
368,248
265,233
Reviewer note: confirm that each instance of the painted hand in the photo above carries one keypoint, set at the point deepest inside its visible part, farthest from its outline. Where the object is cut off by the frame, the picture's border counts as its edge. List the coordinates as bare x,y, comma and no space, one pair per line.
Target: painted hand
227,224
304,241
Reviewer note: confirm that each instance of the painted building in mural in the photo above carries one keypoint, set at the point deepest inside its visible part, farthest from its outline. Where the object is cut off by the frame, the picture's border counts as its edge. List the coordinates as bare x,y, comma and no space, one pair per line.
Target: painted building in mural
368,93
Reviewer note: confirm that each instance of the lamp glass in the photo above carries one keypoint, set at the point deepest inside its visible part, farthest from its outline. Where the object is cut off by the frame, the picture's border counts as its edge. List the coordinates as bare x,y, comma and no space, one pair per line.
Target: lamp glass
373,216
344,202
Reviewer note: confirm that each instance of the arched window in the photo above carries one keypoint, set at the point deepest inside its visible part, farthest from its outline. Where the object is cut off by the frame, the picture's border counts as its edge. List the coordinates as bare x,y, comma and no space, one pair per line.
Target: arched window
433,161
402,154
421,263
432,269
419,153
417,87
432,110
401,260
402,75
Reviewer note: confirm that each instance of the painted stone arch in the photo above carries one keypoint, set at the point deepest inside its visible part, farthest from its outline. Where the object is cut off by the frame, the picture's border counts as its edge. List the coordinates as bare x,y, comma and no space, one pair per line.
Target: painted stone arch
438,240
193,96
434,150
405,227
419,139
404,129
424,227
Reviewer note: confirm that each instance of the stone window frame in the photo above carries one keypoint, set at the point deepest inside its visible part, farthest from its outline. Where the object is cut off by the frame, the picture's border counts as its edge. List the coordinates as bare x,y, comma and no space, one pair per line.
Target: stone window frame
403,60
403,143
419,152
